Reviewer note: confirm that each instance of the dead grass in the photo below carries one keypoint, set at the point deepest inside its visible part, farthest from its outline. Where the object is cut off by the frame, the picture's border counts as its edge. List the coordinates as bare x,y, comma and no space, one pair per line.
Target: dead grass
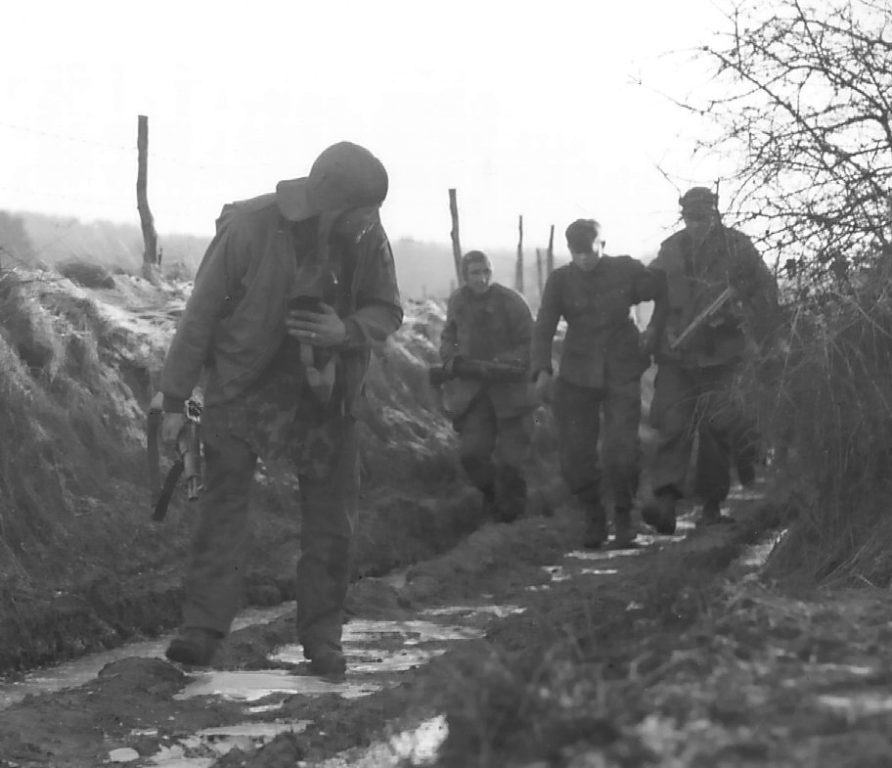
828,417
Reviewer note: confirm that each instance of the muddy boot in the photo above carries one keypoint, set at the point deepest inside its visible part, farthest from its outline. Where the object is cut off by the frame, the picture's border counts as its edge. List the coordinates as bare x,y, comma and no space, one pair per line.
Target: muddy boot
326,661
595,526
660,514
623,533
711,514
194,646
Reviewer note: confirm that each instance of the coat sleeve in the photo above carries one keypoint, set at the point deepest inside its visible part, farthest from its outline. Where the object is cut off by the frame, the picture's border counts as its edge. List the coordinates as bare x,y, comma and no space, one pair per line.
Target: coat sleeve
449,337
378,311
520,323
216,281
546,324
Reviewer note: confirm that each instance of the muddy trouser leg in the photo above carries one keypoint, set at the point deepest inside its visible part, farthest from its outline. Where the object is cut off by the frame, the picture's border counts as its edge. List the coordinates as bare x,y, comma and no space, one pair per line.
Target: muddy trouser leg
620,447
215,577
512,450
477,441
746,448
577,417
673,414
328,519
719,420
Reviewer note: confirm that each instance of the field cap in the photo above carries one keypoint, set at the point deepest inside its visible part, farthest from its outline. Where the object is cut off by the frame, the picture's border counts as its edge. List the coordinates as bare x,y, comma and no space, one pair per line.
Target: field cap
344,176
698,200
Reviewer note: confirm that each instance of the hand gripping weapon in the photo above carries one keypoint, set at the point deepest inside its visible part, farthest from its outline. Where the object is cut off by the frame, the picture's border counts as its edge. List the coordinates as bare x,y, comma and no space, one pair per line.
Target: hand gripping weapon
188,457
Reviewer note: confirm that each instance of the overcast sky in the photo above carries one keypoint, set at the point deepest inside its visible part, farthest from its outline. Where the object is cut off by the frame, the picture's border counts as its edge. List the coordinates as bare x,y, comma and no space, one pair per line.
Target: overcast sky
532,108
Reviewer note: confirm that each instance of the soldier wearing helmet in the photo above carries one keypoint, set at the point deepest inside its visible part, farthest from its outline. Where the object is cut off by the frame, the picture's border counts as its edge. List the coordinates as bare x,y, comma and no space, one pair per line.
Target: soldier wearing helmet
693,388
292,294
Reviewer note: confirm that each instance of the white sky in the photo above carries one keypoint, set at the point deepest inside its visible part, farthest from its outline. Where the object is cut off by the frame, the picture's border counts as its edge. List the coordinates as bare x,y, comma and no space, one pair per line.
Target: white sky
525,107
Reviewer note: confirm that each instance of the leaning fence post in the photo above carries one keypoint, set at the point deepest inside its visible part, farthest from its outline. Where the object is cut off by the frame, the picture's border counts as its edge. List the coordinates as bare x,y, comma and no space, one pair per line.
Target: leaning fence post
453,234
149,236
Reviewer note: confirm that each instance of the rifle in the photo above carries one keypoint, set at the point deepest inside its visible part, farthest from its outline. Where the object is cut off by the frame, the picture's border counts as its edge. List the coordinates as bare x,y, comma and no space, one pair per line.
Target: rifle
701,319
476,370
187,462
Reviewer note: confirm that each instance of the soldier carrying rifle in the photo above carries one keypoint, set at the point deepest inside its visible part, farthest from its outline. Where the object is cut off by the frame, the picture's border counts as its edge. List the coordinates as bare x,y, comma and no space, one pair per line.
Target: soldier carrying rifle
719,293
485,349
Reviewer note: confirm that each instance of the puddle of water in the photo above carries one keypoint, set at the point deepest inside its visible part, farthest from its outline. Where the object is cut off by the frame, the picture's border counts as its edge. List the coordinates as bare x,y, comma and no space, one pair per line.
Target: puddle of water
606,554
79,671
417,747
365,630
855,705
499,611
254,685
370,660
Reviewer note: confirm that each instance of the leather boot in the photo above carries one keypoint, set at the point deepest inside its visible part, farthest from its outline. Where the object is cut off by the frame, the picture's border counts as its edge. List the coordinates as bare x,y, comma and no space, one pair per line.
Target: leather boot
595,526
194,646
623,533
660,514
711,514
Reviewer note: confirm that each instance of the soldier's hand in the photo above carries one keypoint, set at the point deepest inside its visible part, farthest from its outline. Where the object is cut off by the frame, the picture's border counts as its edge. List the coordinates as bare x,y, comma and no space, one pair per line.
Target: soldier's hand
543,387
171,426
321,329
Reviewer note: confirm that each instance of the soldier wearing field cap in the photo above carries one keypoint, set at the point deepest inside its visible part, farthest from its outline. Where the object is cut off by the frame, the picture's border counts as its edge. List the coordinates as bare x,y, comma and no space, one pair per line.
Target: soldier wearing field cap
599,376
488,322
705,264
294,291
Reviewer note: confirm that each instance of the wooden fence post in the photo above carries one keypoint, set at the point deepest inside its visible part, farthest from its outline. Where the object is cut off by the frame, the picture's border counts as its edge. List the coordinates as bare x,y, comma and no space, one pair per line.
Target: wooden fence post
453,234
518,271
549,258
149,236
539,278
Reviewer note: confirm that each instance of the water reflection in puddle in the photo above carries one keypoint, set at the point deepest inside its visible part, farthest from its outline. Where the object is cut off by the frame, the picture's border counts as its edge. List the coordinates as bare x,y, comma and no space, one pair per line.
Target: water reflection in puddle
252,685
79,671
559,573
855,705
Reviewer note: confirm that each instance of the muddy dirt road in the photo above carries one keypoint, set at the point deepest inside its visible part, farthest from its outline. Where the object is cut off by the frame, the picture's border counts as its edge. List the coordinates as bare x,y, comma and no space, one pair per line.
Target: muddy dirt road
514,648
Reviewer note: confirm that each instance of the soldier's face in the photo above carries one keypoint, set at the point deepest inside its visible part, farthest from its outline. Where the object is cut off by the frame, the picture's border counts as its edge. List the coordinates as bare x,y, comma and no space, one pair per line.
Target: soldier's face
479,276
588,260
698,224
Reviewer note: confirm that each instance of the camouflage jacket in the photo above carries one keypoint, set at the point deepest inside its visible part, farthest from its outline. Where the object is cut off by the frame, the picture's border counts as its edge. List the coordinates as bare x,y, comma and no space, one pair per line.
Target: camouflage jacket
695,277
601,346
234,321
495,326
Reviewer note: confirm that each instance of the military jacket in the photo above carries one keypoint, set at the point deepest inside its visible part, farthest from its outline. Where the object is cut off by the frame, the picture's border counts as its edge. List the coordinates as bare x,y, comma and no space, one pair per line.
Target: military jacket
234,321
601,345
495,326
695,277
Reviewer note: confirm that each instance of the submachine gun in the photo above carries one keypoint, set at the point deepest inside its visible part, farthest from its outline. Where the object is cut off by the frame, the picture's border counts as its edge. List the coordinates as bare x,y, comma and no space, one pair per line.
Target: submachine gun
477,370
703,318
188,456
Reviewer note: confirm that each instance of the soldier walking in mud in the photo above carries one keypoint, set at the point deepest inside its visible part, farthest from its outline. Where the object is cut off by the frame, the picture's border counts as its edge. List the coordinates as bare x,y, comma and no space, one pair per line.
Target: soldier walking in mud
719,292
293,292
599,375
485,349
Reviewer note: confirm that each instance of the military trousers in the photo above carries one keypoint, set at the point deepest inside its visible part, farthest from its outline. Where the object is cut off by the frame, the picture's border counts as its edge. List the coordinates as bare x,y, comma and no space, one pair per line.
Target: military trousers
587,451
691,403
221,542
492,450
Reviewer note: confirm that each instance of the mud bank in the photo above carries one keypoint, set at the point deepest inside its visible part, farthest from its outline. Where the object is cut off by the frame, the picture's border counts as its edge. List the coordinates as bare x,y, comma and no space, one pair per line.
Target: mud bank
523,611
